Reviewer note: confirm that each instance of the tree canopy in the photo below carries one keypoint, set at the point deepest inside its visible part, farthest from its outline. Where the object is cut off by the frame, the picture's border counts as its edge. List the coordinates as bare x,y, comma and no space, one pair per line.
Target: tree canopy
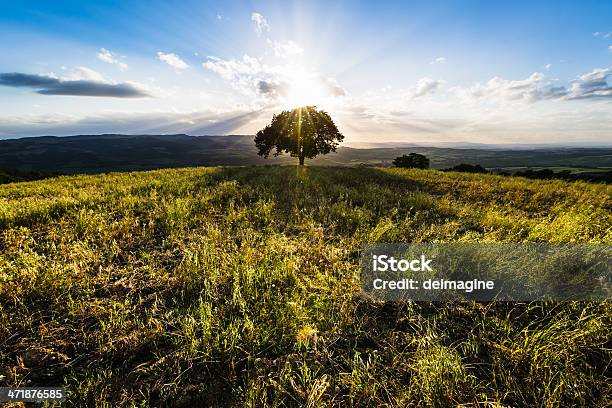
303,133
413,160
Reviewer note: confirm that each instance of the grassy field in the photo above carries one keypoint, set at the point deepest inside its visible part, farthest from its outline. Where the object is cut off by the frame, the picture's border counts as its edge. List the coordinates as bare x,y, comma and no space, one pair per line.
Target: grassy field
240,286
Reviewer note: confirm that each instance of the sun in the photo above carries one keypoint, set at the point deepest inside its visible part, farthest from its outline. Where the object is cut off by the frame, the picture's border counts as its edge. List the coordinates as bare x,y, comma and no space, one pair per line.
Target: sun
304,88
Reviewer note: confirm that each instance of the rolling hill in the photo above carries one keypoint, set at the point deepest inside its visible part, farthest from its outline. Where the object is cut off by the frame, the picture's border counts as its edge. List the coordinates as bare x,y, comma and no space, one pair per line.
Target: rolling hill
105,153
238,286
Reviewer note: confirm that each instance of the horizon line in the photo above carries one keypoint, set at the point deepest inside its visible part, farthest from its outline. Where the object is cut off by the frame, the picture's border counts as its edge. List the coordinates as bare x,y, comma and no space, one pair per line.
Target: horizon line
362,144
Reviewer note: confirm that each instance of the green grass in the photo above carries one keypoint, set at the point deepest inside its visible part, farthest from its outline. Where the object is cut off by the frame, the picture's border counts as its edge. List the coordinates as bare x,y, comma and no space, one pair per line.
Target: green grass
240,286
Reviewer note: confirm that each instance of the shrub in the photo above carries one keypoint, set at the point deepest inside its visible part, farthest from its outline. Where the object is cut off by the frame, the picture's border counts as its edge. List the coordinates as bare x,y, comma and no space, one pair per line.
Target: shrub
468,168
412,160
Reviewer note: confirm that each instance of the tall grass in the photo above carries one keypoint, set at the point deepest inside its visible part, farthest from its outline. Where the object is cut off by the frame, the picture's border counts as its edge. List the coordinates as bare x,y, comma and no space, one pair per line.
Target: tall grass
240,286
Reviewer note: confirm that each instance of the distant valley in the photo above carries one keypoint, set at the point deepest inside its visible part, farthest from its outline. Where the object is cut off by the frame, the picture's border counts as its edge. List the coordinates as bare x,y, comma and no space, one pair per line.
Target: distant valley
106,153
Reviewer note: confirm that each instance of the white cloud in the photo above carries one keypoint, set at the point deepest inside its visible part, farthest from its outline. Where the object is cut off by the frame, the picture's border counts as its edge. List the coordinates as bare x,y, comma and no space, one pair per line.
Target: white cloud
610,48
261,24
251,77
110,58
287,49
439,60
548,66
173,60
509,89
426,86
83,74
248,75
233,69
591,85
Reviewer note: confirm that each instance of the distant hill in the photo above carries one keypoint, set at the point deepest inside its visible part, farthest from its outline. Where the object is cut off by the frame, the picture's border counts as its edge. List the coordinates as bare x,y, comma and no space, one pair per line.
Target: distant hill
16,176
111,152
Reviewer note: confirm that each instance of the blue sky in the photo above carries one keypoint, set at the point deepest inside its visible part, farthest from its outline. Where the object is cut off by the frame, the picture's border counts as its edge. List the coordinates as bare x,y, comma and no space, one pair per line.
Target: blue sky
519,72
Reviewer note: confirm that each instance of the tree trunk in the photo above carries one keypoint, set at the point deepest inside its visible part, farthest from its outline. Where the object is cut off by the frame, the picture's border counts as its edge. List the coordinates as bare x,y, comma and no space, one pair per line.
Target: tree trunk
301,160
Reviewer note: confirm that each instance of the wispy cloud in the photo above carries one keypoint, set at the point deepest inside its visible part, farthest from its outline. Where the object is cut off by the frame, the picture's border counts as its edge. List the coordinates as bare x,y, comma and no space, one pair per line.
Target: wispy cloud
48,85
426,86
247,75
173,60
83,74
260,22
252,77
439,60
333,87
285,50
602,34
234,69
206,122
110,58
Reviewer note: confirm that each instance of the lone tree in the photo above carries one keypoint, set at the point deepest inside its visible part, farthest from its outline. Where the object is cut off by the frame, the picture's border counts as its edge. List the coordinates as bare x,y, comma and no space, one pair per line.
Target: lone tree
413,160
302,132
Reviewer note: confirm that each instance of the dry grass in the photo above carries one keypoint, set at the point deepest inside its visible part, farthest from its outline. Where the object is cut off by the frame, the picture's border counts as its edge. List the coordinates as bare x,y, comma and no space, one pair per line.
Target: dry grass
240,286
